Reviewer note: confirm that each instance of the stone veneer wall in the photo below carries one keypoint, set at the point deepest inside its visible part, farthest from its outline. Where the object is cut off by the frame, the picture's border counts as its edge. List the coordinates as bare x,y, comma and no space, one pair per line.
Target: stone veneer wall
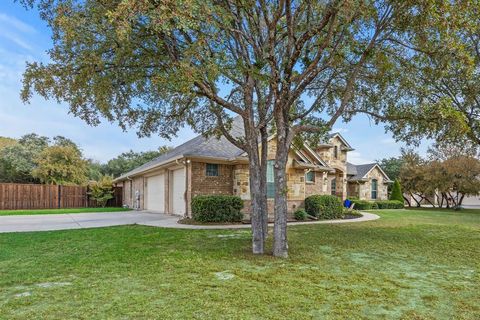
382,188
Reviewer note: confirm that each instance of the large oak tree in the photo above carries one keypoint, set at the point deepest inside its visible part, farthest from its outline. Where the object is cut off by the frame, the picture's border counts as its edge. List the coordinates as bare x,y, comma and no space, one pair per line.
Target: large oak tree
294,67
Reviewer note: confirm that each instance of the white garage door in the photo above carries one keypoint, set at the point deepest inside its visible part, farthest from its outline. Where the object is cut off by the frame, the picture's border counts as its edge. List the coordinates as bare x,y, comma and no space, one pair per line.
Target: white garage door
156,193
178,192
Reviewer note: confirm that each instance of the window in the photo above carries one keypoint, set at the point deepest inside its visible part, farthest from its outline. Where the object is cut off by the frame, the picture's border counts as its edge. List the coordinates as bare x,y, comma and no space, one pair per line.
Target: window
212,170
310,176
270,179
374,188
334,186
335,152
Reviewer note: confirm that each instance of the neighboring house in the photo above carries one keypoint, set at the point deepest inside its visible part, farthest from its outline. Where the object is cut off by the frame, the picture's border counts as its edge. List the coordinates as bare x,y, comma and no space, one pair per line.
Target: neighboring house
211,166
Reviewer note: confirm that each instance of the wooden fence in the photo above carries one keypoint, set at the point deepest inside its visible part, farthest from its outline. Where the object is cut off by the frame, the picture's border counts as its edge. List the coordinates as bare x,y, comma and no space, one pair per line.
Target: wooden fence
15,196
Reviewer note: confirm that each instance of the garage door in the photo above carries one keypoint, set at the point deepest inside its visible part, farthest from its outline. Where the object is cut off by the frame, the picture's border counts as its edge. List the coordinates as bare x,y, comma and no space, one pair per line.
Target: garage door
156,193
178,192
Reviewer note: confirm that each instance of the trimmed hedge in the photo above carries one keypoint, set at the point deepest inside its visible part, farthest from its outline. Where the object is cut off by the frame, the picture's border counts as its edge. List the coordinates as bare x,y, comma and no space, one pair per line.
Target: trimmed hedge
390,204
217,208
381,204
324,206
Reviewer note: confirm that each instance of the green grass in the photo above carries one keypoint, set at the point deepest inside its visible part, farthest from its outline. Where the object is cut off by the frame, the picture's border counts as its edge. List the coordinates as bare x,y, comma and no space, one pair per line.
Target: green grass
58,211
410,264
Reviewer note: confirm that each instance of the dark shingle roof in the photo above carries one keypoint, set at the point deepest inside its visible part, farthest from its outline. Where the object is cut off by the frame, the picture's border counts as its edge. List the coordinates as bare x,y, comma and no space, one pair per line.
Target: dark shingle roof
358,172
199,146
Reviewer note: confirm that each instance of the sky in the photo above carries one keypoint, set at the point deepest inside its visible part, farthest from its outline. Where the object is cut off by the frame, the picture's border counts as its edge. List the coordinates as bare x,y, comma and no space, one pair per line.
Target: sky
25,37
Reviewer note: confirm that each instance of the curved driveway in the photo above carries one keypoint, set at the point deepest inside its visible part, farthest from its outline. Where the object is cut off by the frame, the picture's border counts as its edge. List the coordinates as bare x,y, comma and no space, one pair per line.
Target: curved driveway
95,220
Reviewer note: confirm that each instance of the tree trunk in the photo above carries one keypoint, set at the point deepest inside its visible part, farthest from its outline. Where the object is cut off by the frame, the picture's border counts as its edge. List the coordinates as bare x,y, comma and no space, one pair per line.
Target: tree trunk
256,196
280,244
263,181
408,201
415,199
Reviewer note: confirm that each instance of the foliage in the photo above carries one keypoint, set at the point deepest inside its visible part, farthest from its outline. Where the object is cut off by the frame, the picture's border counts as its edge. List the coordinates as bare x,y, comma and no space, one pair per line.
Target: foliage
101,191
300,215
130,160
449,175
6,142
396,193
324,206
60,165
158,67
18,160
379,204
391,166
217,208
389,204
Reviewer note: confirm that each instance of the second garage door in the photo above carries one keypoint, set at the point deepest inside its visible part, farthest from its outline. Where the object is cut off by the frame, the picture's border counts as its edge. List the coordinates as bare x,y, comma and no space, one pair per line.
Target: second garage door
156,193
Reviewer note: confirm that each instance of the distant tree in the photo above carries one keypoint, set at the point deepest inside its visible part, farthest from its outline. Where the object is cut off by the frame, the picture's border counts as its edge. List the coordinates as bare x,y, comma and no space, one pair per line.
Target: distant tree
391,166
102,190
17,161
6,142
129,160
396,193
60,165
95,170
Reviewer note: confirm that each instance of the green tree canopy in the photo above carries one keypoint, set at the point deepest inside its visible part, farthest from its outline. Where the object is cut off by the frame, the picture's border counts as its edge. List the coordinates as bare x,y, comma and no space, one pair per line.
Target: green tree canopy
130,160
157,65
60,165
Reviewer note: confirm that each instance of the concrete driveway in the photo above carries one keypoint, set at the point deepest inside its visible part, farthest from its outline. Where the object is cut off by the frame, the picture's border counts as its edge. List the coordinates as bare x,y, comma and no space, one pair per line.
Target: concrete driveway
48,222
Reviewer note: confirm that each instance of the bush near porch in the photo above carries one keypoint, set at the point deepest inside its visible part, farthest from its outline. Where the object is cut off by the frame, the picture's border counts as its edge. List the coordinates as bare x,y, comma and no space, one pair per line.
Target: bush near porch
217,208
324,206
381,204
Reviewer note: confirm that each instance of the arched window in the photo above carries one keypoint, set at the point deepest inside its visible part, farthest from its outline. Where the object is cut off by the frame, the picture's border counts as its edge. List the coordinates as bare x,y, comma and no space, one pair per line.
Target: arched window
374,188
334,186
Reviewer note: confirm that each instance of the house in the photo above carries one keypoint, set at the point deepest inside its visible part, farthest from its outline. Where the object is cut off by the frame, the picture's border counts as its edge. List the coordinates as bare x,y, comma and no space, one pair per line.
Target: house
209,166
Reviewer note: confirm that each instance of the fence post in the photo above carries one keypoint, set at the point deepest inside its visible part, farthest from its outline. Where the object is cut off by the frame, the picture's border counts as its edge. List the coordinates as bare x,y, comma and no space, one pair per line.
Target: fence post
59,187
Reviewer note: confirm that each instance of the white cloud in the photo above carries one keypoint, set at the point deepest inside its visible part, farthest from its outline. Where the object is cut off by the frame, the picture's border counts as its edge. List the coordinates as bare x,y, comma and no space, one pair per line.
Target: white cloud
339,130
356,157
17,24
388,141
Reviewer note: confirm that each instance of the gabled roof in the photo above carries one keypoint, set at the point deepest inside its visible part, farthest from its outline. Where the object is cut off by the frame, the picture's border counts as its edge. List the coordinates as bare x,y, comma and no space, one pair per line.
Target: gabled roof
348,147
200,146
359,172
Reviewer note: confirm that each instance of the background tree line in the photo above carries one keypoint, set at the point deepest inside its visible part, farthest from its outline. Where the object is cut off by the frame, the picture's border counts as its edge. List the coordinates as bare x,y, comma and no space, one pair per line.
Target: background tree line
448,172
39,159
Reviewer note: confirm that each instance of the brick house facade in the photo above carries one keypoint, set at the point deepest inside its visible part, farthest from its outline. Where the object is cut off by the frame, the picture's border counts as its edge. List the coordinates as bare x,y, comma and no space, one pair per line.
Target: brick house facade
210,166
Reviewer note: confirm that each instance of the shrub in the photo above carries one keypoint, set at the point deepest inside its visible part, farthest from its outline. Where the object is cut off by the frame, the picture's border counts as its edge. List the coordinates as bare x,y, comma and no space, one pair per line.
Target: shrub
324,206
375,206
300,215
101,191
362,205
396,192
352,213
390,204
217,208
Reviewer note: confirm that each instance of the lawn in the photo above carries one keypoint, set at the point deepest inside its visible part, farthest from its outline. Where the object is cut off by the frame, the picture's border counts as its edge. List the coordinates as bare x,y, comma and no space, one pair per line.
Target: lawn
410,264
58,211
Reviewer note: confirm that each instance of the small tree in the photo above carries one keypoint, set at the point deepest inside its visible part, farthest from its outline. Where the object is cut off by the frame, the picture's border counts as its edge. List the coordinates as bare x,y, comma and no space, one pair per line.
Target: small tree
396,191
60,165
102,190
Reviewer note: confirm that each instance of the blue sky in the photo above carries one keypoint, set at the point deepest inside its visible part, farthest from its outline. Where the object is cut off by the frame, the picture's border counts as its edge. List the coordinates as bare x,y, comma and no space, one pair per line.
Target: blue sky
25,37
